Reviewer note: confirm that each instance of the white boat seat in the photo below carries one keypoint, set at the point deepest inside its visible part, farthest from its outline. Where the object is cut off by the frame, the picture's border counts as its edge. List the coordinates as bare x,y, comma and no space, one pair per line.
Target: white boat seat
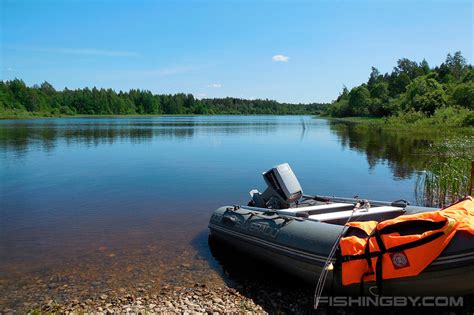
385,212
316,209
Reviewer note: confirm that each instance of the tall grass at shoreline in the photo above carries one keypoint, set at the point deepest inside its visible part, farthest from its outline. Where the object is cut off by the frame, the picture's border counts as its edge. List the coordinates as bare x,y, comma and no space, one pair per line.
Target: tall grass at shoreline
453,117
447,173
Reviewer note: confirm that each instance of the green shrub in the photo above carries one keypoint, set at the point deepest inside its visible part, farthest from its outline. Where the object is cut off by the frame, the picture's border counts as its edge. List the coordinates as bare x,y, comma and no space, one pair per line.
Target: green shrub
409,117
463,95
468,120
452,116
65,110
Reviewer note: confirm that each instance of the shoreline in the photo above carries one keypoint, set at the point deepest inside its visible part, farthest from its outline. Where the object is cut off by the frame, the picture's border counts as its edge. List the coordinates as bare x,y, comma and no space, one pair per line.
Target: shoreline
384,123
198,299
249,297
140,115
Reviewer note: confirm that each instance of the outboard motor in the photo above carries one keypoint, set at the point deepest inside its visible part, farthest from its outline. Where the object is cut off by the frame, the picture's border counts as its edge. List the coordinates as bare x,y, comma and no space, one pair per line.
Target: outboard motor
283,189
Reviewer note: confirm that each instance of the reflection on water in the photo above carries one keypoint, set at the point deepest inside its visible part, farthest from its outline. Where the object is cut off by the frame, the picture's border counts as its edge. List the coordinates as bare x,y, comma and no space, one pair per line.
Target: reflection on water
20,135
93,204
401,151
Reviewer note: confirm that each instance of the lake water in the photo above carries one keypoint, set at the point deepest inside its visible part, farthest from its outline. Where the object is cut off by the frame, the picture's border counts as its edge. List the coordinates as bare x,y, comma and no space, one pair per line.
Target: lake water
123,203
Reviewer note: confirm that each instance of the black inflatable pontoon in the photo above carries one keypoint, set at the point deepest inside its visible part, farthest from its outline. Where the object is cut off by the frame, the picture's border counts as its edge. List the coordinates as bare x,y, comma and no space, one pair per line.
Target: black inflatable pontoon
296,232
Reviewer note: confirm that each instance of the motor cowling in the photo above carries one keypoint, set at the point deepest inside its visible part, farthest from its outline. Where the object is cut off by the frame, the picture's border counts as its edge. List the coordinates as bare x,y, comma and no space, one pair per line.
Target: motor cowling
283,189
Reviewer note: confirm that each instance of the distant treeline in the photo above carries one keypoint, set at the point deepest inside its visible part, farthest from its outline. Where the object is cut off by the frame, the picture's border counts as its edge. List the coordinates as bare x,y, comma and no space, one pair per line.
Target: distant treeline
412,91
45,100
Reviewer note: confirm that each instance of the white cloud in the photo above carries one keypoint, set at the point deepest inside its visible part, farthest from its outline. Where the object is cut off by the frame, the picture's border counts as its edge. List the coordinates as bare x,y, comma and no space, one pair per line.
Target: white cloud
94,52
215,85
150,73
201,95
80,51
280,58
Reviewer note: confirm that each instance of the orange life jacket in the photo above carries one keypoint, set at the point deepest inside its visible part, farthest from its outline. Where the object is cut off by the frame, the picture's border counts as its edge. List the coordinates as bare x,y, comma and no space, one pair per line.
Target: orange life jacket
389,250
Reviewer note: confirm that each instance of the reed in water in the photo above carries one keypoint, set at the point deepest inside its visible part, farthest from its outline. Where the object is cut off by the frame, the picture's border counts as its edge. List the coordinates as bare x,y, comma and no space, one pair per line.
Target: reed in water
447,174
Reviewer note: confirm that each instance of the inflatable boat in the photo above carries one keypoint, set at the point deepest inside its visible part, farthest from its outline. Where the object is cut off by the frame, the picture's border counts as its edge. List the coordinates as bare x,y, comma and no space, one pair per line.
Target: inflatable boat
303,235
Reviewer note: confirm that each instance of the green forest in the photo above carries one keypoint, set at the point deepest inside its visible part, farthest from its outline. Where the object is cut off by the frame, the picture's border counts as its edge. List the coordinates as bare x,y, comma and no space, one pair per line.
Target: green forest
413,92
19,100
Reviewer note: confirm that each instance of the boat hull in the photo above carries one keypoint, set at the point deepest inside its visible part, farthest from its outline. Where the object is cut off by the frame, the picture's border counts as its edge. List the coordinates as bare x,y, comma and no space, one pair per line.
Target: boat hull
301,247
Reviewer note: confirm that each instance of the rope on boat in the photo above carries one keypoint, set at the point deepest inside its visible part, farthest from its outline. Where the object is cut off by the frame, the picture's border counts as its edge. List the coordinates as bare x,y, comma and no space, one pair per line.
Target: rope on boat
328,264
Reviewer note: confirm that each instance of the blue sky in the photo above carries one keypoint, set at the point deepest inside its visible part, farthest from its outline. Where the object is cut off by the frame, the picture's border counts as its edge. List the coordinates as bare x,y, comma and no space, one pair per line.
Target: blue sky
294,51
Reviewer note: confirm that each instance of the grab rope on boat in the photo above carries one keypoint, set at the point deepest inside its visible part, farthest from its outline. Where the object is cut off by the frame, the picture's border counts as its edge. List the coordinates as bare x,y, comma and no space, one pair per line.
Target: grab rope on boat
268,215
328,264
